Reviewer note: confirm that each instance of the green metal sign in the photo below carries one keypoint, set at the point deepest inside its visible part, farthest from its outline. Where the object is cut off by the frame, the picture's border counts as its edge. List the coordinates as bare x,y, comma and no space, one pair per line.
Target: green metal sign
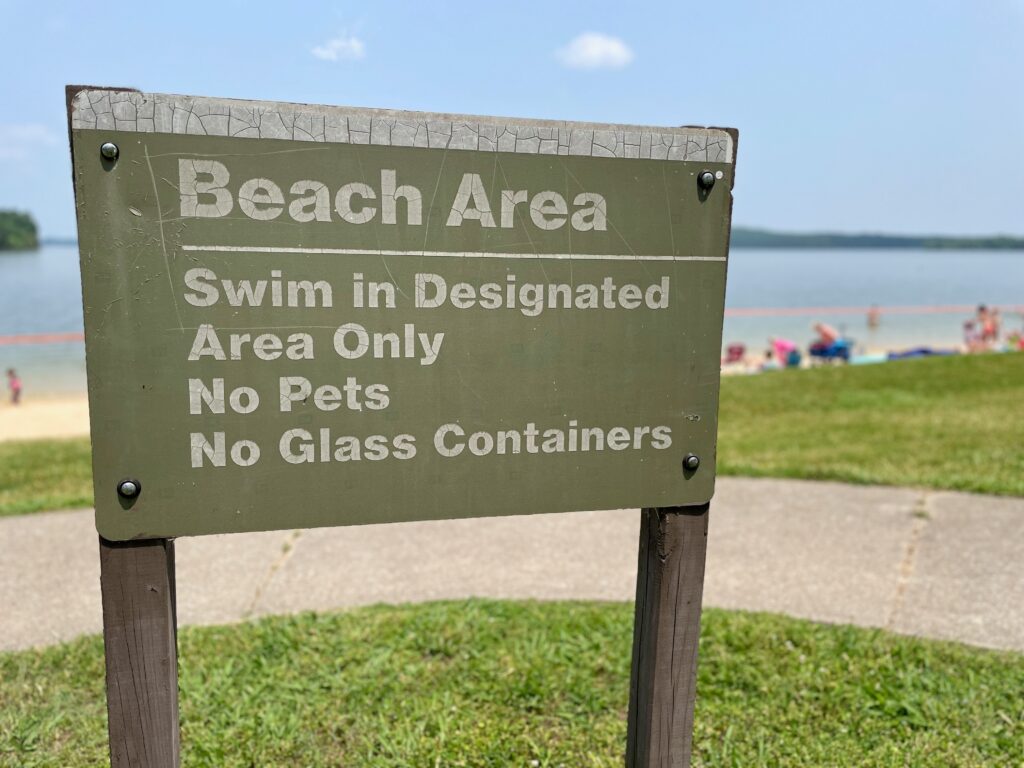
304,316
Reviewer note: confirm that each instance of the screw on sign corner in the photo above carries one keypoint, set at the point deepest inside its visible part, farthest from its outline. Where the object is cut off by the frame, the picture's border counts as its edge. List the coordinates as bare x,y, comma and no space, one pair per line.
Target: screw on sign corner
706,179
691,462
129,489
109,150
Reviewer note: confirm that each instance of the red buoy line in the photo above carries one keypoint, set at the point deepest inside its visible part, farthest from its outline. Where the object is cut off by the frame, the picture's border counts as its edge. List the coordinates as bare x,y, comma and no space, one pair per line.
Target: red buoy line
959,309
41,338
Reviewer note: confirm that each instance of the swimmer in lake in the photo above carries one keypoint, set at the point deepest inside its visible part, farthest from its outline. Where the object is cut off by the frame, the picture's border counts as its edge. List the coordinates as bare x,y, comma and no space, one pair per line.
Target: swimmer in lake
14,386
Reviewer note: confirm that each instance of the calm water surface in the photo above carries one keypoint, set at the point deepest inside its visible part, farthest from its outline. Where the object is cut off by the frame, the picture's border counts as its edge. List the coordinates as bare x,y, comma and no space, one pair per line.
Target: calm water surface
40,293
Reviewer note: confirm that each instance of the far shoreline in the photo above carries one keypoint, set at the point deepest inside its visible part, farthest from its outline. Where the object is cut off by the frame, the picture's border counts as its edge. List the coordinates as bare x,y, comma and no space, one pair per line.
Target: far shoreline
756,238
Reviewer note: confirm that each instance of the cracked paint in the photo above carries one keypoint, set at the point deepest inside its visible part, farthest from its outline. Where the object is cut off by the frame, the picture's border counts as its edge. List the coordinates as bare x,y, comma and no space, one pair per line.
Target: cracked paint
162,113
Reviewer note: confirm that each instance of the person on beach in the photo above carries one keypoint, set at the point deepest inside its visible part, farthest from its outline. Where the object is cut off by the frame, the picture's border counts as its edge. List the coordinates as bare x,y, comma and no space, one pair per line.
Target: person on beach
991,332
787,354
972,337
14,385
827,335
874,317
770,362
987,321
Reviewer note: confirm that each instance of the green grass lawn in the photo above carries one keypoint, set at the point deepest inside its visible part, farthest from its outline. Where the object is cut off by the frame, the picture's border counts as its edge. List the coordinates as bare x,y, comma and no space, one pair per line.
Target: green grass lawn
44,474
950,423
501,684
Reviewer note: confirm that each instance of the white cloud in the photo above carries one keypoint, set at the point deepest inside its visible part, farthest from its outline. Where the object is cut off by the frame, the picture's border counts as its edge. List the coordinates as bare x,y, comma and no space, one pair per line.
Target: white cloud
19,141
594,50
342,47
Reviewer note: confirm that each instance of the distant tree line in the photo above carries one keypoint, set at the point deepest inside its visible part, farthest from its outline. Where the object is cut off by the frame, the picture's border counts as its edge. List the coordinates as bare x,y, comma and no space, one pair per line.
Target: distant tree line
18,232
743,237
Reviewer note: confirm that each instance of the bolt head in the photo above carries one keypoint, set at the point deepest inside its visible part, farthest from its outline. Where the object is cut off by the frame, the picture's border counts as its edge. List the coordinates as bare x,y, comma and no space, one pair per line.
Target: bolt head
706,179
129,489
691,461
109,150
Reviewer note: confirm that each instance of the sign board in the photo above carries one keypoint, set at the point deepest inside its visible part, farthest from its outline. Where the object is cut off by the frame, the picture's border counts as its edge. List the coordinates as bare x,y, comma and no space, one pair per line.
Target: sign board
302,316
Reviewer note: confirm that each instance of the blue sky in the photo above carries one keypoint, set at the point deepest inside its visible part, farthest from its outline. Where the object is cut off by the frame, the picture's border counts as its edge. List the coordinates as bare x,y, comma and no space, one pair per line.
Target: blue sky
901,116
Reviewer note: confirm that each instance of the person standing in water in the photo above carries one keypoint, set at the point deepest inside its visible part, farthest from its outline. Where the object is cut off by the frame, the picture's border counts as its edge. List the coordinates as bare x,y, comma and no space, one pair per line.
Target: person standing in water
14,385
874,317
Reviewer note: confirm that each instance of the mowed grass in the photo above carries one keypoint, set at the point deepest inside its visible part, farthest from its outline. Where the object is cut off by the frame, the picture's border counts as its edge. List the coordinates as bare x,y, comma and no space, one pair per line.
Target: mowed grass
44,474
948,423
481,683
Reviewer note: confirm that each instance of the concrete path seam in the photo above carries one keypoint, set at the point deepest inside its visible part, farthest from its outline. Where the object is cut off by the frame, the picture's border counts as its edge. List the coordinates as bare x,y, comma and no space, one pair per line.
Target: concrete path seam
922,515
287,550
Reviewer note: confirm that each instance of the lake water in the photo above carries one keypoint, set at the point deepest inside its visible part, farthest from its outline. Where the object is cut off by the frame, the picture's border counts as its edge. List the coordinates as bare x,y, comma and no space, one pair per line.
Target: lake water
770,278
40,293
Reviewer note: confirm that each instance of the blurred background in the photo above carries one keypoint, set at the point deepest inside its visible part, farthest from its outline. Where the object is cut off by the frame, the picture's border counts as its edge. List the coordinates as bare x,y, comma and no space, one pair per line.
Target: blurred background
880,118
867,536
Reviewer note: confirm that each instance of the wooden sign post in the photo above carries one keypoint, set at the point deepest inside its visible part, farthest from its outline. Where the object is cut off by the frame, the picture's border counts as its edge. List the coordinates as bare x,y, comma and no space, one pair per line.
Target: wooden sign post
666,631
394,316
140,643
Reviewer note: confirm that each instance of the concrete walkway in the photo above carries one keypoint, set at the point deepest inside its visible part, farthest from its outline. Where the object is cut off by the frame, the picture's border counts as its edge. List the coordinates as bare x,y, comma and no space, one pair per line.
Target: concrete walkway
944,565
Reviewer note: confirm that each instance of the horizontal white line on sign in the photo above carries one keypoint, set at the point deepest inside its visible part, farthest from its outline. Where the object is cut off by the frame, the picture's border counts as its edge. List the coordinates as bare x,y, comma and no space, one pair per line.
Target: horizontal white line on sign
455,254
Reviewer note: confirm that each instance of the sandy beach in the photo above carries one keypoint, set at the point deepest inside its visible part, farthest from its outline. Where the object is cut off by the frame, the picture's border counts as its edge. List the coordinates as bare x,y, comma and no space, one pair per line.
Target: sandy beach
50,417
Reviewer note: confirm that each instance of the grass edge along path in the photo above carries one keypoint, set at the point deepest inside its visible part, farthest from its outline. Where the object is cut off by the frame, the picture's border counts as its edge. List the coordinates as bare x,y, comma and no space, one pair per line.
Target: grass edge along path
943,423
491,683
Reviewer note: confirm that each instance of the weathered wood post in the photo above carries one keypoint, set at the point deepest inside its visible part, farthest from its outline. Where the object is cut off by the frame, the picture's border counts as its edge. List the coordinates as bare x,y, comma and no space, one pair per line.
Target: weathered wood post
666,631
140,641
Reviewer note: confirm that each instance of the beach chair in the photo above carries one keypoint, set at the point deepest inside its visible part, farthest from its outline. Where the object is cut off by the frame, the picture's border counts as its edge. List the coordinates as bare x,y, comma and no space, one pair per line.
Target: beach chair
838,350
734,353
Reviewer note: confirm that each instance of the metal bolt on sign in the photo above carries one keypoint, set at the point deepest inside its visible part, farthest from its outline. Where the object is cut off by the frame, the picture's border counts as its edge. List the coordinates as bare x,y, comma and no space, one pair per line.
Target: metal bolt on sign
691,461
109,150
129,489
706,179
